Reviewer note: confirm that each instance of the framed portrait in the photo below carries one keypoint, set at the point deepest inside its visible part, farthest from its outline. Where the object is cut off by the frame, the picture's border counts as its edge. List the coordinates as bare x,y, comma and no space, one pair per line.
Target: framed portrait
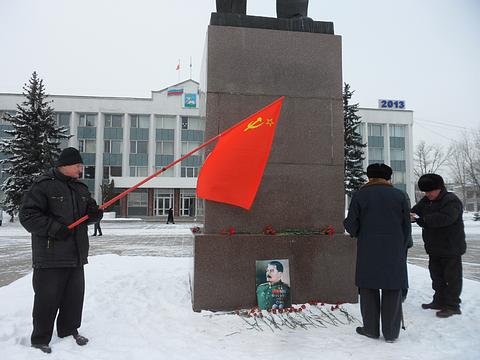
273,284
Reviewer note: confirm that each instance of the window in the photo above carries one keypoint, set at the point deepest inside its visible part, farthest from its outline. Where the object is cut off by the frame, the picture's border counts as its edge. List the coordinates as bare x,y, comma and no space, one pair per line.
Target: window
140,121
113,121
375,155
164,148
167,173
138,147
88,172
188,146
138,171
399,177
189,171
111,171
113,146
192,123
138,199
63,119
87,120
87,146
165,122
375,130
397,154
397,130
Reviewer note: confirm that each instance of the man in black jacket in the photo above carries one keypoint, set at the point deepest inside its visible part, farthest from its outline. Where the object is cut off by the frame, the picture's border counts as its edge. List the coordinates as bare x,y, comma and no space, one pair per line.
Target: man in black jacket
55,200
379,217
439,213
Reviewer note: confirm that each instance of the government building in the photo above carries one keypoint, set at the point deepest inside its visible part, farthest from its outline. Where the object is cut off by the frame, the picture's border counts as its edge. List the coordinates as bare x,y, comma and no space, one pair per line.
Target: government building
126,139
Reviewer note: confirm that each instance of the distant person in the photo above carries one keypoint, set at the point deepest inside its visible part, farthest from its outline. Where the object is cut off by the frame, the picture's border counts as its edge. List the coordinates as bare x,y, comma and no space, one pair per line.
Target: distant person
274,294
97,228
379,217
440,214
170,216
55,200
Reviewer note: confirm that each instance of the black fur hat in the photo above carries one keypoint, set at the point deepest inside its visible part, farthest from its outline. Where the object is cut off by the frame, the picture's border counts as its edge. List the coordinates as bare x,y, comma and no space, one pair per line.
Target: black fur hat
69,156
429,182
380,171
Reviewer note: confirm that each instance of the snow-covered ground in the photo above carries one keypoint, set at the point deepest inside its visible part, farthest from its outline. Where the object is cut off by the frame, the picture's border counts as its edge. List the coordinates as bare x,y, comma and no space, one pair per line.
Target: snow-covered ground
138,307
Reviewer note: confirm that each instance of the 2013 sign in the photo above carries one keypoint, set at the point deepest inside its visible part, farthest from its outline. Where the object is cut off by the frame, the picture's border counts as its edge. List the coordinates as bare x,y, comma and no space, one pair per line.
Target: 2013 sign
391,104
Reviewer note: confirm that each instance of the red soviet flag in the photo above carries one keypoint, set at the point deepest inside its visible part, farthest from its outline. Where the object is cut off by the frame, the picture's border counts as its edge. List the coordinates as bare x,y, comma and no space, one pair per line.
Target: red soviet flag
232,172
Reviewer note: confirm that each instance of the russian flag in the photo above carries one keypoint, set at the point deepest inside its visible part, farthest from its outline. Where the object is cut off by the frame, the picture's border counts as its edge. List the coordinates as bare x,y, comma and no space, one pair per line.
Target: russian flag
175,92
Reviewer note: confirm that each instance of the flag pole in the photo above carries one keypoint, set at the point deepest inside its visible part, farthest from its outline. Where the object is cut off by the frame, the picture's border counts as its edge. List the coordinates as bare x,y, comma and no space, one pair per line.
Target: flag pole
136,186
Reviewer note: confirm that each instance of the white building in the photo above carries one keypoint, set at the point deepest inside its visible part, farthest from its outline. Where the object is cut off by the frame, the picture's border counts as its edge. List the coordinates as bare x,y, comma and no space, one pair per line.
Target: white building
388,135
126,139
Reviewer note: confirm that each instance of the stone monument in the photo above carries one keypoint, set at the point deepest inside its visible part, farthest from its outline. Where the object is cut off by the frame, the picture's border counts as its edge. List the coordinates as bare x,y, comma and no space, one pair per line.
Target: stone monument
249,62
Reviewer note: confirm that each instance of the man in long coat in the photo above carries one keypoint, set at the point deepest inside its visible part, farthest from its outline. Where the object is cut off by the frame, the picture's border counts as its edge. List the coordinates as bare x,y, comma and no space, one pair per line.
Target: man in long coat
54,201
379,218
439,213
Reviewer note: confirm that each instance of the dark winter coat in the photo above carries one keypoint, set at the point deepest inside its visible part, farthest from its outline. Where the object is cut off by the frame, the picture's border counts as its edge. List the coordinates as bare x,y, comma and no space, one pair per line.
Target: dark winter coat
379,217
442,224
52,202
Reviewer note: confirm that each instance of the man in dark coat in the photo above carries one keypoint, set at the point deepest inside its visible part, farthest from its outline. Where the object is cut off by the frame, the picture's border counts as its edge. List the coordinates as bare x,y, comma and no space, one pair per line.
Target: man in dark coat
379,218
55,200
439,213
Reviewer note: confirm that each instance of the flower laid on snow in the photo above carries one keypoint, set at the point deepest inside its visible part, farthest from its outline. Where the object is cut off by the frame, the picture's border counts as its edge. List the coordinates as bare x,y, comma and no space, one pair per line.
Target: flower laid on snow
312,314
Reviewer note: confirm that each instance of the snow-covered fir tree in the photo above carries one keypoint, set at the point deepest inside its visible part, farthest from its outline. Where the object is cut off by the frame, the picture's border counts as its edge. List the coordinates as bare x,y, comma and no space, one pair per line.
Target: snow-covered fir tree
354,174
33,144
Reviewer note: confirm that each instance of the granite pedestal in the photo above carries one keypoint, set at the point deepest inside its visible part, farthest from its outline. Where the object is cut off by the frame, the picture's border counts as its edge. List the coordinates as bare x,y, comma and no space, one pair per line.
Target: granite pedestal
245,69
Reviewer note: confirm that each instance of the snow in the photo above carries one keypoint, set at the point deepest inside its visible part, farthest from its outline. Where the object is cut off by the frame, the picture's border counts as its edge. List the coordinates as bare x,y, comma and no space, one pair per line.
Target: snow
139,308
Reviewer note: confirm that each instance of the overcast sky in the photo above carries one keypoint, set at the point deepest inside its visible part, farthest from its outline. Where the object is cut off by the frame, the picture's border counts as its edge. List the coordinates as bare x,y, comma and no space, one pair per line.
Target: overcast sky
426,52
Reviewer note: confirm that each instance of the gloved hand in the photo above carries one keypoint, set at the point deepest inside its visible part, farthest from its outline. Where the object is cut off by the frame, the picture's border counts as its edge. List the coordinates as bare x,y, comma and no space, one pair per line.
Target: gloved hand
63,233
95,214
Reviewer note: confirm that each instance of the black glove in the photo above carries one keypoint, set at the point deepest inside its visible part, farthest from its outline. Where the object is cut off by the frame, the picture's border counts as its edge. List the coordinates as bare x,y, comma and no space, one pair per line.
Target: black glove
95,214
63,233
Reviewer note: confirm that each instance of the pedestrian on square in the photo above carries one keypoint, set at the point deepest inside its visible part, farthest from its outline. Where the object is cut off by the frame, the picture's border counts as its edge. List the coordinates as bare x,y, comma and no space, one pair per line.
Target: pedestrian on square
440,215
379,218
97,228
170,216
55,200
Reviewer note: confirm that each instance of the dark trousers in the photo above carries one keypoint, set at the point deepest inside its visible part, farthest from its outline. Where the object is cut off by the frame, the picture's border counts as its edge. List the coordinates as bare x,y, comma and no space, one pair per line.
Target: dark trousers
96,227
388,307
446,274
57,290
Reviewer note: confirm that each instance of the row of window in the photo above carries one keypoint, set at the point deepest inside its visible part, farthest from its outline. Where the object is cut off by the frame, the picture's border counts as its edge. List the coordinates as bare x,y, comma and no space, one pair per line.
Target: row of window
378,130
137,171
136,121
136,147
137,202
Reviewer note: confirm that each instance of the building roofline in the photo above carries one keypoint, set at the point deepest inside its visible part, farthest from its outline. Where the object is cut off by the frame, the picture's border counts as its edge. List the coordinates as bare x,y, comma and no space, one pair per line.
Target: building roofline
376,109
107,97
180,83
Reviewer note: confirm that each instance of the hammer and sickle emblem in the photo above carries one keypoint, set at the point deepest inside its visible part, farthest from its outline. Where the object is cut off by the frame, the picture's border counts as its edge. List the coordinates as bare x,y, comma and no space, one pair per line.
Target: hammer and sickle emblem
254,124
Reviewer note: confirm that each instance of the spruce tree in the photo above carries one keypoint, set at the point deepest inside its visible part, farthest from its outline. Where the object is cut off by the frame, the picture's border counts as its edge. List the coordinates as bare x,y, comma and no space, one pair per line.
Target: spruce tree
33,145
353,151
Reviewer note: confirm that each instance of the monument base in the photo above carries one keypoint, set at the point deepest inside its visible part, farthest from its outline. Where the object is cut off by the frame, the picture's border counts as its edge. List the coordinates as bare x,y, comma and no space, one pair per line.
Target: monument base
322,268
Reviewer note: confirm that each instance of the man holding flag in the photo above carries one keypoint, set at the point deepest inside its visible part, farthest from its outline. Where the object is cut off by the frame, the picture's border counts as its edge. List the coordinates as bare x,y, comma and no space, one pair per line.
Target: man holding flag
55,200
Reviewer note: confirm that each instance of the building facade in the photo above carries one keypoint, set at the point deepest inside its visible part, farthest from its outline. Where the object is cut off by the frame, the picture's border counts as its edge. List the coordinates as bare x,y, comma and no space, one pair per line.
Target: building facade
388,135
128,139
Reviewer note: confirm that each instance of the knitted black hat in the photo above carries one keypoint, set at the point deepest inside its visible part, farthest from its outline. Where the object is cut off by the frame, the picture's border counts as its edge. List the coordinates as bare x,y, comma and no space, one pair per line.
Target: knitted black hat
380,171
430,182
69,156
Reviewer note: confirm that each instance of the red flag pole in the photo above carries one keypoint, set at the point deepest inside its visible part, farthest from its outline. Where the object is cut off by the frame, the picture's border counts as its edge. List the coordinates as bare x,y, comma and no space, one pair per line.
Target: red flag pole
134,187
